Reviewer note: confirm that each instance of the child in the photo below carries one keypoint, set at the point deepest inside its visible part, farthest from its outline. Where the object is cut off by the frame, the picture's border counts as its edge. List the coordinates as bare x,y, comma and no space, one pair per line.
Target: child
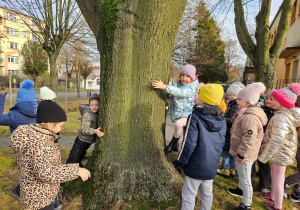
246,136
47,94
88,131
183,95
39,158
228,161
264,168
280,141
24,112
202,147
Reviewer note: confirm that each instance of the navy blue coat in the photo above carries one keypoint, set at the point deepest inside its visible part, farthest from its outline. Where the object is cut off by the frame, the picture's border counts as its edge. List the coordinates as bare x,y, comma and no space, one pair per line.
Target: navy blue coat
203,142
22,113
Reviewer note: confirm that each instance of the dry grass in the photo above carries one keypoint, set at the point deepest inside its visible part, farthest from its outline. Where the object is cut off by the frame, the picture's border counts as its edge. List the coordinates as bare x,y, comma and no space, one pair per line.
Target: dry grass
222,200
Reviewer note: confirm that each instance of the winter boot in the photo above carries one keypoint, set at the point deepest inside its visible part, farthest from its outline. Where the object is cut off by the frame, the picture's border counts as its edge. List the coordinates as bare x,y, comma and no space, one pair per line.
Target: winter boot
171,145
224,172
15,191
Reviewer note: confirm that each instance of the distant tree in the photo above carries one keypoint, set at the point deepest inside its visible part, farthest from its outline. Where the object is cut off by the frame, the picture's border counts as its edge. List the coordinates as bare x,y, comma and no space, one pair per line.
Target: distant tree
208,51
85,70
44,79
52,24
263,55
34,57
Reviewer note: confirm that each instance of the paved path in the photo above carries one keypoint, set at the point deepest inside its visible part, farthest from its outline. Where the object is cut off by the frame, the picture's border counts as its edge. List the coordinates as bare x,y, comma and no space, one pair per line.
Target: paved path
67,141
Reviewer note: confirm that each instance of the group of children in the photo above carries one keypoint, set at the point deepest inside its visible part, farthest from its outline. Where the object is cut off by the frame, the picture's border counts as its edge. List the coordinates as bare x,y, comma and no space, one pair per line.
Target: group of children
249,131
35,124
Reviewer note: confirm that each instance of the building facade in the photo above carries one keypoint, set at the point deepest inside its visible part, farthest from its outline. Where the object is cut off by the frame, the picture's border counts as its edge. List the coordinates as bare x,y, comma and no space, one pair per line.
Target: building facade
15,30
288,67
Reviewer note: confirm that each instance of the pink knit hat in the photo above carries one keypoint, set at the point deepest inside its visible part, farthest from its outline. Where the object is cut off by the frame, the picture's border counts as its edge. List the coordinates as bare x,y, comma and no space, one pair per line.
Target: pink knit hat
189,70
252,92
287,96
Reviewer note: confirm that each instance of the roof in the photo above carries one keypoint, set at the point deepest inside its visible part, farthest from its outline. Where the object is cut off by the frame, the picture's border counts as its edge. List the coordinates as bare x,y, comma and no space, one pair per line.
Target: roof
288,51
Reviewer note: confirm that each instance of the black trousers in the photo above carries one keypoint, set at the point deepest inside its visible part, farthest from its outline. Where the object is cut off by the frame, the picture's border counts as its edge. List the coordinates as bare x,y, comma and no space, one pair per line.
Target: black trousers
264,175
78,151
50,207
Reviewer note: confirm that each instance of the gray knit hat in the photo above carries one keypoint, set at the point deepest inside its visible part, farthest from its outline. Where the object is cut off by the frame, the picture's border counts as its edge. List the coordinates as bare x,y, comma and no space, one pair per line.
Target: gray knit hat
235,88
95,96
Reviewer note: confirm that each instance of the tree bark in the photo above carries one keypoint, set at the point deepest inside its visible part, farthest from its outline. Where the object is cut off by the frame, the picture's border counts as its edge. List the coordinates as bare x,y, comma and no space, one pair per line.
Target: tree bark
135,39
263,57
53,72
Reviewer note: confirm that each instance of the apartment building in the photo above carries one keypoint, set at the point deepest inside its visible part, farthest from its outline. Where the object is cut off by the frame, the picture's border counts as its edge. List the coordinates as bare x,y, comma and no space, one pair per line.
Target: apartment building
14,32
288,67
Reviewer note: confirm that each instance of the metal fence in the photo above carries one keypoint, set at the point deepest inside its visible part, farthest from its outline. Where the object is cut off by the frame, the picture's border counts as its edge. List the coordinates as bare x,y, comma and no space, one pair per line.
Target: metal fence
285,82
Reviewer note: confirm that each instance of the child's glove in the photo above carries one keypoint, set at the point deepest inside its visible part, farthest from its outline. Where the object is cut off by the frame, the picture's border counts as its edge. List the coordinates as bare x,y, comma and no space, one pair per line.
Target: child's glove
2,98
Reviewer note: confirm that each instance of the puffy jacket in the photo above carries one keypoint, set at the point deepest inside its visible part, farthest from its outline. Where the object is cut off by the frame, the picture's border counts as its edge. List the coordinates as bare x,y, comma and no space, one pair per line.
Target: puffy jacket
280,141
203,142
39,162
229,113
23,113
183,96
89,122
247,134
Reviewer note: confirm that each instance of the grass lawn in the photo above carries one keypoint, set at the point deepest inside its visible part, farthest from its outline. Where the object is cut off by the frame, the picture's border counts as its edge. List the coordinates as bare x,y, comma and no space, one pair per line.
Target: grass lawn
222,200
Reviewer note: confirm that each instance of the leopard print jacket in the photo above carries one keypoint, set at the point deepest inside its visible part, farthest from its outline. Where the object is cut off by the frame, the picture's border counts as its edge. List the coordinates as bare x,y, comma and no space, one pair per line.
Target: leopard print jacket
39,162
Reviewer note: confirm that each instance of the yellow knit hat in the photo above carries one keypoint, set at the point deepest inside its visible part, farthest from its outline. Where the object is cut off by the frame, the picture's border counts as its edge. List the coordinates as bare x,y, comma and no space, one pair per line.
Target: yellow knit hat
211,94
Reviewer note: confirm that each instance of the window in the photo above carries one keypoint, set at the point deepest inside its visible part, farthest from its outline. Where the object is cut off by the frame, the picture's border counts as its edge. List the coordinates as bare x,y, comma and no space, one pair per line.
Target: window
12,31
12,45
24,34
293,16
11,17
13,72
12,59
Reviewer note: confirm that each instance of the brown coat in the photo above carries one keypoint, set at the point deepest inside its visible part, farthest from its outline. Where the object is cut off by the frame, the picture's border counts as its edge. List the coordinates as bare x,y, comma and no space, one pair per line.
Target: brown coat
247,134
39,162
280,142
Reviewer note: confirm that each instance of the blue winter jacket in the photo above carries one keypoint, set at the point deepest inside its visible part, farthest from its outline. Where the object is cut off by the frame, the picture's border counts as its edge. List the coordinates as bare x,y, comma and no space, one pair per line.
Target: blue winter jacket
22,113
203,142
183,97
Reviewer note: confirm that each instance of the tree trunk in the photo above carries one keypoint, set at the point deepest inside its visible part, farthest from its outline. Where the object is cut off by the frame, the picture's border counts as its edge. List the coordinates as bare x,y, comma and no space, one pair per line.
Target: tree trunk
264,58
78,83
135,40
53,72
84,83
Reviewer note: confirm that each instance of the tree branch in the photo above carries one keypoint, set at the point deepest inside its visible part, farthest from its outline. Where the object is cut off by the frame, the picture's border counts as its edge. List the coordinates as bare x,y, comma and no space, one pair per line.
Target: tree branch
242,30
283,26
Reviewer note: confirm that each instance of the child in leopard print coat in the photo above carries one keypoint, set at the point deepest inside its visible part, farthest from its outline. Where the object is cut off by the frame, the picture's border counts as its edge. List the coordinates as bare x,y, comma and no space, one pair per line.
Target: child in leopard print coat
39,158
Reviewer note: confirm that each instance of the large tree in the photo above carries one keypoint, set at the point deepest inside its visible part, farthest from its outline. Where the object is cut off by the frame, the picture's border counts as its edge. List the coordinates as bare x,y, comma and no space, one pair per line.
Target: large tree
135,39
263,56
53,22
34,57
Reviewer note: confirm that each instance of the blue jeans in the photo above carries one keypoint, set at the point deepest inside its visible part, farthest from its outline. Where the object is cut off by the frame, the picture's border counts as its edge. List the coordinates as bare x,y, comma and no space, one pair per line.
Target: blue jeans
228,161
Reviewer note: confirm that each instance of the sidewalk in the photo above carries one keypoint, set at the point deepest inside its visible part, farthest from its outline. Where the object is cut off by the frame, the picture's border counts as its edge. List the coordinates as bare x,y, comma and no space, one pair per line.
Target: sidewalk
64,141
67,141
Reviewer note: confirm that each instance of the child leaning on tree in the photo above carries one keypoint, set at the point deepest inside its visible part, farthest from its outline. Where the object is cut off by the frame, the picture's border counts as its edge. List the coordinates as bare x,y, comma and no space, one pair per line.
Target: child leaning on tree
202,147
88,131
183,96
